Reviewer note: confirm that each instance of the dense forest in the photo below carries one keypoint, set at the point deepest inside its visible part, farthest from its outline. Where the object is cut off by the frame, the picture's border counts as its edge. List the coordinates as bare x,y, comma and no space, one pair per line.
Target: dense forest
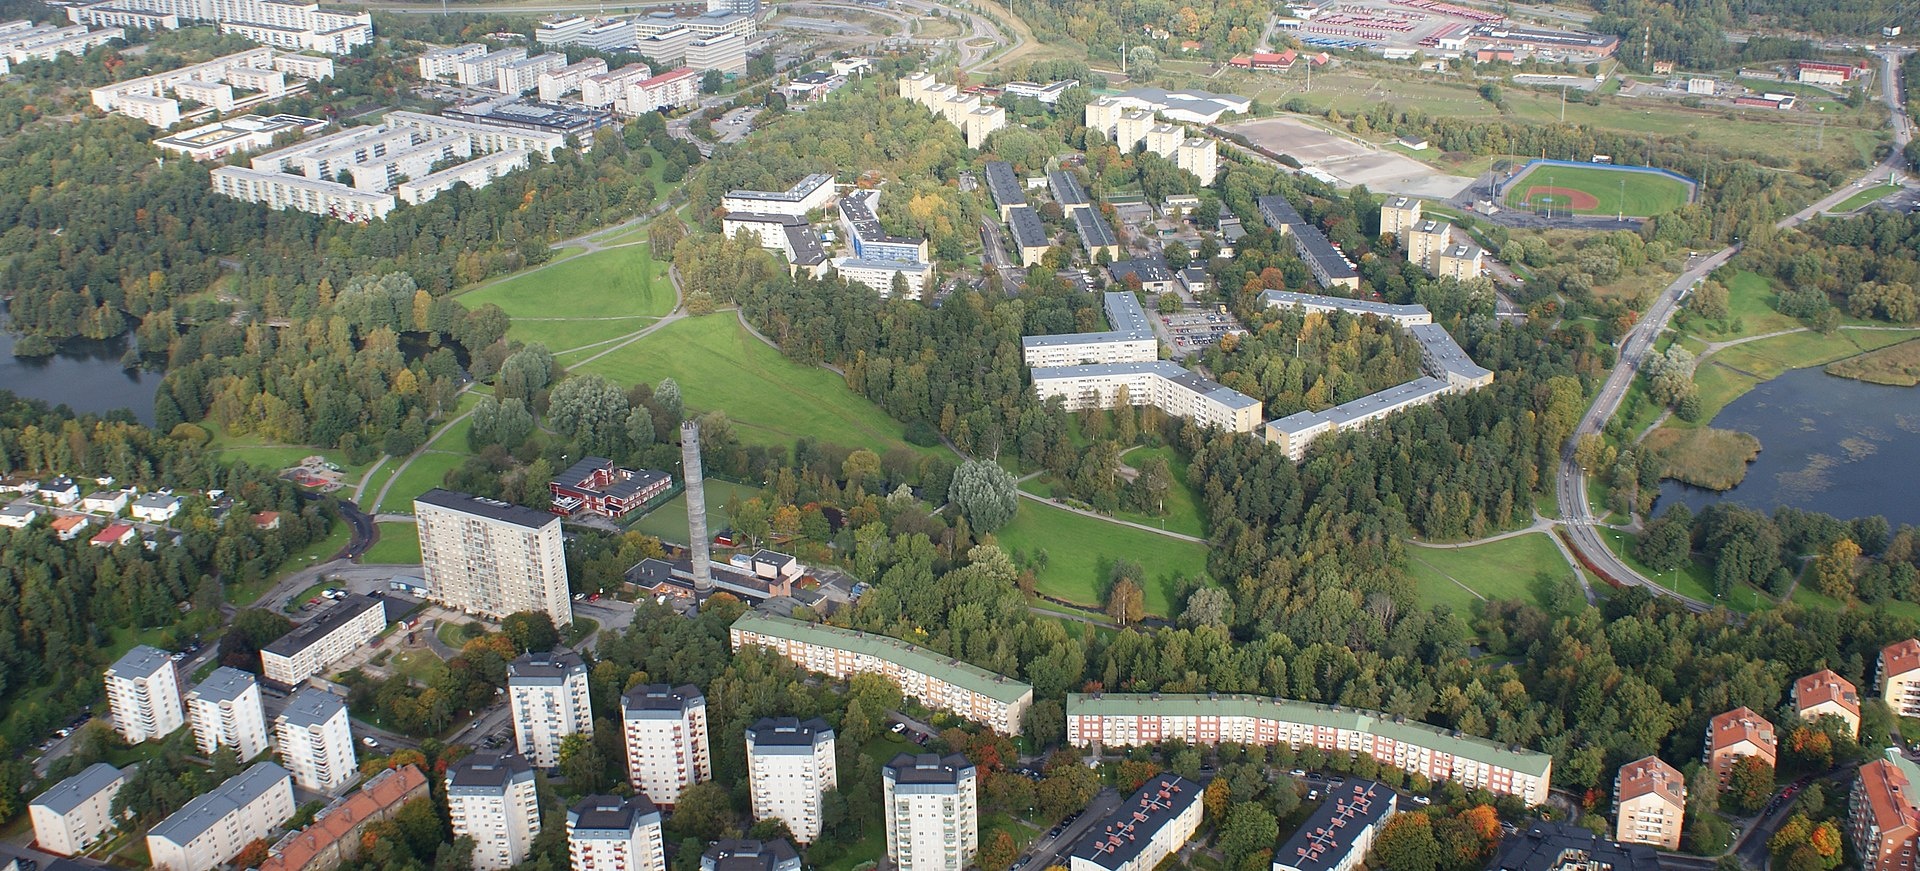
1868,267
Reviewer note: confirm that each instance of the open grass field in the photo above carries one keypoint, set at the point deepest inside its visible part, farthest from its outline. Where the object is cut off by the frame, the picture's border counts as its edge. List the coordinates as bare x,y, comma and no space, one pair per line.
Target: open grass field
420,666
1865,197
1595,190
1081,552
1725,375
669,522
583,298
1496,570
771,400
1750,310
1712,458
1183,513
1693,579
399,544
1806,596
426,472
262,454
1898,365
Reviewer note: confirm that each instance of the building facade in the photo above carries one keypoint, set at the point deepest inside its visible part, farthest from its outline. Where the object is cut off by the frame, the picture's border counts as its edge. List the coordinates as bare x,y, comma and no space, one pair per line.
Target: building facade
932,806
491,798
314,646
548,696
492,558
1882,821
1735,734
226,712
610,833
334,836
1826,694
1149,826
667,743
790,766
1900,677
214,827
74,814
316,742
1650,804
144,696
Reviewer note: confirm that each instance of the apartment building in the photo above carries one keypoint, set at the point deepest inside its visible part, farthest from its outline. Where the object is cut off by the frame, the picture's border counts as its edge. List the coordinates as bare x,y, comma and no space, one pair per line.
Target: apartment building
791,237
669,90
78,811
128,19
1097,239
886,277
226,712
726,52
1426,239
1900,677
144,695
483,70
1556,846
976,119
1135,719
932,806
1882,821
283,24
859,220
315,741
790,766
211,829
610,833
314,646
1191,153
667,46
1826,694
667,746
334,836
234,136
1005,187
599,34
1066,189
1130,339
492,558
548,696
1459,262
1399,215
491,798
517,77
262,70
1329,265
742,855
476,173
1338,834
1030,240
1163,384
1650,804
609,89
46,42
443,64
555,84
940,682
1148,827
1735,734
283,191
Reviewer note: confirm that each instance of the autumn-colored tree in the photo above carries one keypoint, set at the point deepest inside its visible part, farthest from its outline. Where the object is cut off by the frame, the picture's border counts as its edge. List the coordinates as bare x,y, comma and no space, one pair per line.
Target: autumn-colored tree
1125,603
1833,570
1216,799
997,853
1484,822
254,853
1406,843
1749,784
1135,774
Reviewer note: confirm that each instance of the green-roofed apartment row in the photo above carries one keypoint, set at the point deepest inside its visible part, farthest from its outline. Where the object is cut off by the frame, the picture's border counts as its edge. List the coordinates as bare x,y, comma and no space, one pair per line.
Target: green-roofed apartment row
940,682
1127,719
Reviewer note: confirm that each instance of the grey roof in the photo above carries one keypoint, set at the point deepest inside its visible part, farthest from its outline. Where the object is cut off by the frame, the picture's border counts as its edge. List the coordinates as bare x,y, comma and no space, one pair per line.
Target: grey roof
20,509
1167,369
544,669
1093,229
142,661
1278,212
1193,276
773,556
1028,231
1313,244
76,790
486,773
33,860
930,769
1445,354
1121,837
773,734
1359,306
805,244
766,218
311,707
1004,185
1147,269
1543,846
870,263
492,509
1327,837
204,811
610,816
858,208
1463,252
658,699
1190,99
794,194
735,855
1348,412
1401,202
225,684
581,470
1066,188
1124,314
307,634
156,500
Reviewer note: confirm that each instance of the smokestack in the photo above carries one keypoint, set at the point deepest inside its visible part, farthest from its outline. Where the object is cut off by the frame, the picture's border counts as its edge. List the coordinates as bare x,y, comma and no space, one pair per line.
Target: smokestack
696,506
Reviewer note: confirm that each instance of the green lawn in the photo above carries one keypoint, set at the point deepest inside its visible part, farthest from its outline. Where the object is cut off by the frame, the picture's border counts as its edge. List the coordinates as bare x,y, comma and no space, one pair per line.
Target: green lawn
1694,579
582,298
1081,552
1497,570
1865,197
669,521
421,666
336,539
1637,194
1750,301
263,454
399,544
770,400
426,472
1183,514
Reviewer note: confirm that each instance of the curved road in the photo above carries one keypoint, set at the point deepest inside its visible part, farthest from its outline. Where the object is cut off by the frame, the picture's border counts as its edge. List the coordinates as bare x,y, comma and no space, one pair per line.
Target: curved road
1578,516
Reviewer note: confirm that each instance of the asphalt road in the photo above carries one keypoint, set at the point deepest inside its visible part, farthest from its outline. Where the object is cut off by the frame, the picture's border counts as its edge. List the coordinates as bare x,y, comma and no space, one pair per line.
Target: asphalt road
1577,514
1048,851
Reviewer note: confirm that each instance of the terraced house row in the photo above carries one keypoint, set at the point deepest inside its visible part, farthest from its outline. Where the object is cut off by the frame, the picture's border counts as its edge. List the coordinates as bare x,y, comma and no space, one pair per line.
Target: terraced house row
1133,719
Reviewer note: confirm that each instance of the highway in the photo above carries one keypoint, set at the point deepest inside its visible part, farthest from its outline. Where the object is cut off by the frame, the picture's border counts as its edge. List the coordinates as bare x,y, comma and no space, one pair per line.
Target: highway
1575,511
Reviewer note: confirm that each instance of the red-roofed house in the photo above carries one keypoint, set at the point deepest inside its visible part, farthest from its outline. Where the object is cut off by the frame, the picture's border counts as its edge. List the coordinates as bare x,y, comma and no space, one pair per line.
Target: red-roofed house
1816,73
1882,819
68,527
1650,797
266,520
1900,677
115,533
334,836
1736,733
1826,694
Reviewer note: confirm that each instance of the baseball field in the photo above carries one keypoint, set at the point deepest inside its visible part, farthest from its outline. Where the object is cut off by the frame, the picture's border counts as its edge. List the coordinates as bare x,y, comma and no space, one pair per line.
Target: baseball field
1596,190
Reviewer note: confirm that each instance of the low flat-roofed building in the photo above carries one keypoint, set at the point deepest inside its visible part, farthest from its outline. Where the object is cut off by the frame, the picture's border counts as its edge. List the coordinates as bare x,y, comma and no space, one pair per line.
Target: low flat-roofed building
1339,833
211,829
1296,431
1152,824
311,647
1163,384
880,274
1129,339
1151,274
1029,233
597,486
1048,94
743,855
237,135
806,195
75,813
1555,846
334,836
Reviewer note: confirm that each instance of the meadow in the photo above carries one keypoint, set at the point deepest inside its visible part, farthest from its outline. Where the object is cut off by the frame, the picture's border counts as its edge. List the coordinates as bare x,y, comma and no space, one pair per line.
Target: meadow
1081,550
1497,570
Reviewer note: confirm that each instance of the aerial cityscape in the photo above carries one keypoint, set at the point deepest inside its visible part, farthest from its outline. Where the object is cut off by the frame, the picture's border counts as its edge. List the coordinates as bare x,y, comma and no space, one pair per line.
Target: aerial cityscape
1014,435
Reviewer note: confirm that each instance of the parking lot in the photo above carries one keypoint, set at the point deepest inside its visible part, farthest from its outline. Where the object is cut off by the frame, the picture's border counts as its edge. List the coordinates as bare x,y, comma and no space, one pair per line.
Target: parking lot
735,125
1196,330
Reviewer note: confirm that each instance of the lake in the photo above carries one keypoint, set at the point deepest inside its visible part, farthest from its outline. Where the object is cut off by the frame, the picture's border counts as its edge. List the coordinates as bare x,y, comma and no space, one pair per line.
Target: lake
1834,445
85,374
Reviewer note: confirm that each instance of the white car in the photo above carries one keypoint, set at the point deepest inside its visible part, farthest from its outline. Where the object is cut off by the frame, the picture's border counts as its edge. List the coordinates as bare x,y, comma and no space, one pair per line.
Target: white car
369,742
898,728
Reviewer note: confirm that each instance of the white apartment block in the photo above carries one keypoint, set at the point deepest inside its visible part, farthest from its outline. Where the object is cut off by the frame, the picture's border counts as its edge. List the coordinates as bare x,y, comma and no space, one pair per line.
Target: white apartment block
667,748
523,75
790,766
78,811
940,682
668,90
147,97
213,828
609,833
278,190
312,647
703,25
879,275
807,195
548,696
1650,803
483,71
610,89
1163,384
561,29
1135,719
1399,215
315,740
491,799
130,19
1130,340
1151,825
483,138
143,692
932,806
443,64
477,173
226,712
976,120
234,136
726,52
1191,153
46,42
280,23
487,557
596,33
555,84
667,47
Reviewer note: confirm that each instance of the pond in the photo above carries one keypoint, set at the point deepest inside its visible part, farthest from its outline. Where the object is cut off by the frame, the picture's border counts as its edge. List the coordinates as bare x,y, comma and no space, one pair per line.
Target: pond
84,373
1834,445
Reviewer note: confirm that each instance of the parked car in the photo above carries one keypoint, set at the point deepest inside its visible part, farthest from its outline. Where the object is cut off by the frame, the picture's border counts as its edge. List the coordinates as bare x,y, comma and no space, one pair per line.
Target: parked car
368,740
897,728
1422,800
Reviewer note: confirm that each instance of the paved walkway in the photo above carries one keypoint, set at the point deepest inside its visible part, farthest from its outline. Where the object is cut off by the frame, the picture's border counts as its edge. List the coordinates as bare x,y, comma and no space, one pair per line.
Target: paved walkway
1543,525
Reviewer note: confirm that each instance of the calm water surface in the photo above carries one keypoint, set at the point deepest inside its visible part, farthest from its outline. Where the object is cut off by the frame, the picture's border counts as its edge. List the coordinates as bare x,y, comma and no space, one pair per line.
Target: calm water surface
84,374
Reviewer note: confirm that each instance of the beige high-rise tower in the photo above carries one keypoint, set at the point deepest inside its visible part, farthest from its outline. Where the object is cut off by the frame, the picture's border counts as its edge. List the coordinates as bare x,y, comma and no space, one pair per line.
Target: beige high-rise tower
492,558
